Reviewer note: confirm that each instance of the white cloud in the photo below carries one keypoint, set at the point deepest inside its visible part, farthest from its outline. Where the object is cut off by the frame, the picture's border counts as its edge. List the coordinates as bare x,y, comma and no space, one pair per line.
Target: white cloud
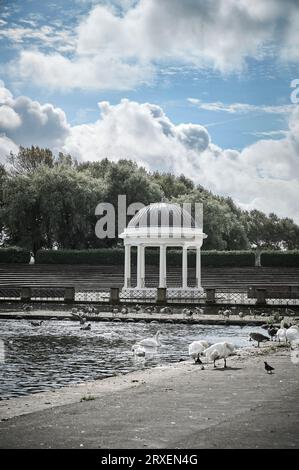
27,122
120,48
242,108
264,175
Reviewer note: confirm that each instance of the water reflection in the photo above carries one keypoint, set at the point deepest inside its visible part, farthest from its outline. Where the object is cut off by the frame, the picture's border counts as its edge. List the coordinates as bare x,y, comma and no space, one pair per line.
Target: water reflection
58,353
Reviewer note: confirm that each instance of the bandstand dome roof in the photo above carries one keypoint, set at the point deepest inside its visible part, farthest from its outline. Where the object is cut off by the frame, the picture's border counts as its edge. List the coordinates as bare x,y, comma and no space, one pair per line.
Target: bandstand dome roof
162,214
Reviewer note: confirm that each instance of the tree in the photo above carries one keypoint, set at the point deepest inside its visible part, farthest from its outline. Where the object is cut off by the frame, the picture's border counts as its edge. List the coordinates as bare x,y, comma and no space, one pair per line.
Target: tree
28,160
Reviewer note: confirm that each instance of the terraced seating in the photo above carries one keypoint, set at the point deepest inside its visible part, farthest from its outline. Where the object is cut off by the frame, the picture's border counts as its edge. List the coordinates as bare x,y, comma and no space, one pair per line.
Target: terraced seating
84,277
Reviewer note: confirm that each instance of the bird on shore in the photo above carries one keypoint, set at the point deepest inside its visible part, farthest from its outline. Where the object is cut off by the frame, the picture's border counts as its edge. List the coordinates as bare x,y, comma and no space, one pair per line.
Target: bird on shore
124,310
137,308
281,334
268,368
27,308
242,314
272,331
227,312
36,323
196,348
166,310
258,337
150,342
292,333
219,351
289,312
187,312
199,310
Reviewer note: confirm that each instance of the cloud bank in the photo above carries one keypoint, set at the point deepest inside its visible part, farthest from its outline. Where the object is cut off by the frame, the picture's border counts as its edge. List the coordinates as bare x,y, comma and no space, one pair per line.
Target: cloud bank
264,175
116,48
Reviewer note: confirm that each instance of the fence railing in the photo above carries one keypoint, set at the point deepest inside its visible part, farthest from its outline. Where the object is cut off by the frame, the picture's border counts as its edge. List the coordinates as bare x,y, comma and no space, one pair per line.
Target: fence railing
208,296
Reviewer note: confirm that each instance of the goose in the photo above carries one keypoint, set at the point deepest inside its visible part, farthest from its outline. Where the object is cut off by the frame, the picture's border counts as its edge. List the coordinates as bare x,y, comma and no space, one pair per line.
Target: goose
138,350
258,337
196,348
219,351
151,342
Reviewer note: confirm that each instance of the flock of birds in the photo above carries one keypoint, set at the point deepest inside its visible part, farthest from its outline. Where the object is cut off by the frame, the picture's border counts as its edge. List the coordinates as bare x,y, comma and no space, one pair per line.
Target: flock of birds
288,333
197,349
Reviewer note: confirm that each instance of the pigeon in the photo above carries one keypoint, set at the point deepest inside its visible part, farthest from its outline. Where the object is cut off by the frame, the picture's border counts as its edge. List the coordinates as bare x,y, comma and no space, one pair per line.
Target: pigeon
268,368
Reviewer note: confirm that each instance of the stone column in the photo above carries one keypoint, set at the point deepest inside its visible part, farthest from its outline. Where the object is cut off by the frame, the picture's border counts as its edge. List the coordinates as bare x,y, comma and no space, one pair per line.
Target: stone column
140,266
185,268
162,270
198,268
127,281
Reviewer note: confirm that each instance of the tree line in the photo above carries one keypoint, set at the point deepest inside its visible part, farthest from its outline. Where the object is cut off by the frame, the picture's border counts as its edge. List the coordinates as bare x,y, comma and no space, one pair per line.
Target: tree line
49,201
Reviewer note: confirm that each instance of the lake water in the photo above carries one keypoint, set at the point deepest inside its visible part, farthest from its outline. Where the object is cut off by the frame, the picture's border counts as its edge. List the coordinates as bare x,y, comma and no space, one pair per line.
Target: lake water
58,353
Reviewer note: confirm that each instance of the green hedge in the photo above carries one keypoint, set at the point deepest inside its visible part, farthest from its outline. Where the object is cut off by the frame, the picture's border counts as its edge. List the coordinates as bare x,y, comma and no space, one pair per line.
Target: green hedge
106,256
100,256
280,258
14,255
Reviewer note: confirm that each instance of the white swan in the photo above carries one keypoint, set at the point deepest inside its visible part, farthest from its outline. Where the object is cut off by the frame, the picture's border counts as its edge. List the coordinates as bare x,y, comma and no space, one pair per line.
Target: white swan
138,350
219,351
292,333
151,342
196,348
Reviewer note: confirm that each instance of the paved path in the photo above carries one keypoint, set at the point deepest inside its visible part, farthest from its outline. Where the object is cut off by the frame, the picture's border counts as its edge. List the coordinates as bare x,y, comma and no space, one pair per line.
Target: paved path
180,406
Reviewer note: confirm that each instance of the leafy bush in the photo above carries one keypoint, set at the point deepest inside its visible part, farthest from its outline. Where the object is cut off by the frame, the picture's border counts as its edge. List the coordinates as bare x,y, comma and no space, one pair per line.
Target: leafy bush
115,256
14,255
280,258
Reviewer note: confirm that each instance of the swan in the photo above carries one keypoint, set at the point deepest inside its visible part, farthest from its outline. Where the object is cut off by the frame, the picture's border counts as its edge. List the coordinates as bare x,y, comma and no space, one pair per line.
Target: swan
219,351
292,333
151,342
281,334
196,348
138,350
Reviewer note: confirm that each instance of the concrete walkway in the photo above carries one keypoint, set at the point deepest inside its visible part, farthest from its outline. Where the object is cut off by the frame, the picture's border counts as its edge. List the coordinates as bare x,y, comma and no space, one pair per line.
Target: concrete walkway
180,406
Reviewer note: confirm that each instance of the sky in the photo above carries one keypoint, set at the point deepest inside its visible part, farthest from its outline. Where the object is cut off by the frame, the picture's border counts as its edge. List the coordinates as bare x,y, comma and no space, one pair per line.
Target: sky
207,88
